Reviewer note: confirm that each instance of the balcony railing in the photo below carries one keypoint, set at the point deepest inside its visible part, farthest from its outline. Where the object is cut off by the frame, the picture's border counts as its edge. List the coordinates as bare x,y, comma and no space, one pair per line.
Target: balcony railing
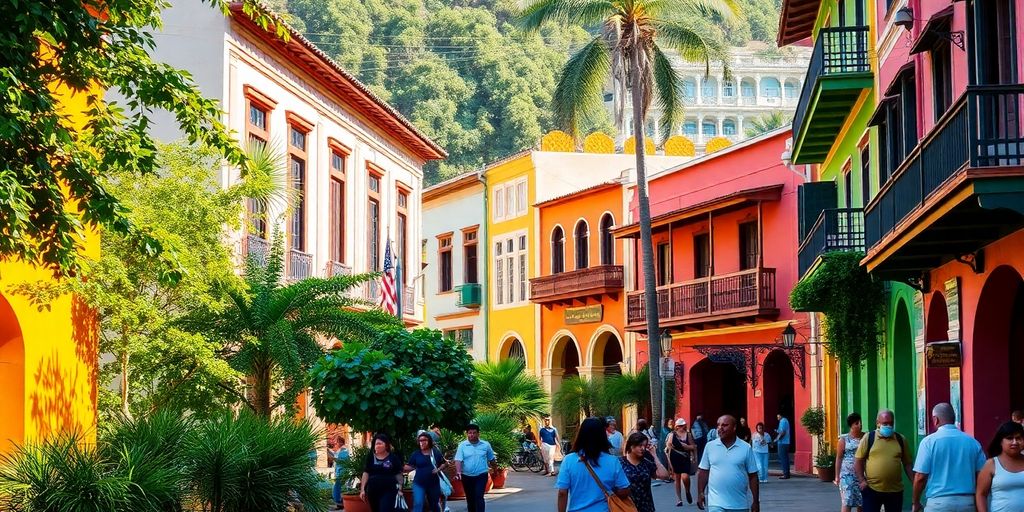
469,295
409,300
837,51
300,265
744,293
837,229
334,269
256,248
575,284
983,128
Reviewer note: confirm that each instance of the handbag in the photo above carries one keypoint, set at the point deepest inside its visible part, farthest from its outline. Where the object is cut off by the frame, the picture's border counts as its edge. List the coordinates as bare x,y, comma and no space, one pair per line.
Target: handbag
400,503
616,503
446,485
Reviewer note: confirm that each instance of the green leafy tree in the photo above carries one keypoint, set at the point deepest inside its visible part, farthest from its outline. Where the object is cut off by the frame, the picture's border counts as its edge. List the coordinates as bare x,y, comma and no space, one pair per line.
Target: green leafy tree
765,123
270,331
628,49
503,388
53,159
580,397
630,389
401,382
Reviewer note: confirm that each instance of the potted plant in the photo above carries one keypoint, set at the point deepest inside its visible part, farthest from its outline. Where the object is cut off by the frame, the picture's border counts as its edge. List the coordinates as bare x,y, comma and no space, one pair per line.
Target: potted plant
825,462
351,472
499,430
813,420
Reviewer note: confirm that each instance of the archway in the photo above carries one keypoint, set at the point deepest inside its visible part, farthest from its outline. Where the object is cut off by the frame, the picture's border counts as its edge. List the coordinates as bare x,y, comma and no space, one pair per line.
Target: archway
717,389
777,375
998,344
12,378
936,329
564,361
606,354
513,348
904,370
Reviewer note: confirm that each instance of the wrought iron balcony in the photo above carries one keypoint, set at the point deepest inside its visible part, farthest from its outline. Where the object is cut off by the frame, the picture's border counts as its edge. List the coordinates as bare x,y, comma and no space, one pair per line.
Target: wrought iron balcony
567,286
838,71
968,171
837,229
257,249
300,265
723,299
469,295
335,268
409,300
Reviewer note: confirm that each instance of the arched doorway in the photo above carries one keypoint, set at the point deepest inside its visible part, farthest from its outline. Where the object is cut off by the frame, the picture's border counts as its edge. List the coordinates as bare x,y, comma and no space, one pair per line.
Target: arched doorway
998,344
777,375
936,329
905,369
717,389
606,354
12,378
513,349
564,360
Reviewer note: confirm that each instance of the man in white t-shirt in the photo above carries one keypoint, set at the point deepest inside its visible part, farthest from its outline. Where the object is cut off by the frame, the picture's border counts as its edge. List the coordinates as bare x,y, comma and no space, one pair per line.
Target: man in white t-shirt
727,479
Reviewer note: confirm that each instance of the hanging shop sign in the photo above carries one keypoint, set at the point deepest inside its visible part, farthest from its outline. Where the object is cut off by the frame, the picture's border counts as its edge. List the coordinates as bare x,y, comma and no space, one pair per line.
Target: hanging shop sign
943,354
584,315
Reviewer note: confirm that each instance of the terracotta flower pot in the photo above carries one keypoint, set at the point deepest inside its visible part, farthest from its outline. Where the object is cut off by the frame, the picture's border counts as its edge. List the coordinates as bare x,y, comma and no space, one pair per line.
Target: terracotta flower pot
354,504
498,477
490,484
458,492
826,474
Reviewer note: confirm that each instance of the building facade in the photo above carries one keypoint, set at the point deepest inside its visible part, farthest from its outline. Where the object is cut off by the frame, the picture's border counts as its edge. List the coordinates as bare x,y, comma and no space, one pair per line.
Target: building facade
725,260
454,255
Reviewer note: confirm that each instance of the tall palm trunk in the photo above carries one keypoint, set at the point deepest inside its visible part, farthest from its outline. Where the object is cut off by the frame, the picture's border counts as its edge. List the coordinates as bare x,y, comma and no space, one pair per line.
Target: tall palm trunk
261,390
646,245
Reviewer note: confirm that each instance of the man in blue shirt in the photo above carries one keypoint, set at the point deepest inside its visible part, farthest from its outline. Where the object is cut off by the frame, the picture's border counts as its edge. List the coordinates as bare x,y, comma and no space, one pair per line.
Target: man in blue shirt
784,439
548,443
614,436
473,459
699,429
947,465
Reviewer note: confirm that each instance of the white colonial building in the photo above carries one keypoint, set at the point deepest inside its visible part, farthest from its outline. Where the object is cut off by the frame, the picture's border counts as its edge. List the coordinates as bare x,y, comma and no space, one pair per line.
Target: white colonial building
354,162
764,80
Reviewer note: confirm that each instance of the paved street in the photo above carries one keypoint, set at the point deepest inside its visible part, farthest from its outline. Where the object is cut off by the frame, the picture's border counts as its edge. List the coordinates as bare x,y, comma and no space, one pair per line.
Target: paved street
534,493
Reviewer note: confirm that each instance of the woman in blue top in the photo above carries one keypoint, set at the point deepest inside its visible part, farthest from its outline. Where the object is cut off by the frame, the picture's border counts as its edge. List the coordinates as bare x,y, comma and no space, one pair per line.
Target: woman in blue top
340,454
577,489
427,462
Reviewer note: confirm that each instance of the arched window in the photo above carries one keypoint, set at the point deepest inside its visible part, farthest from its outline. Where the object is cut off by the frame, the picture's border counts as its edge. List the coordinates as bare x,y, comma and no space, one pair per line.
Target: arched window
516,351
557,250
770,87
690,128
582,245
747,88
709,88
607,241
709,128
728,127
792,90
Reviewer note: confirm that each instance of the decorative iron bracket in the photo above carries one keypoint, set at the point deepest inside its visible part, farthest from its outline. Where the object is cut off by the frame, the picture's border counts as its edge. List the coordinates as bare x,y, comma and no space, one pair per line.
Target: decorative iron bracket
975,260
748,361
920,283
956,37
797,357
736,355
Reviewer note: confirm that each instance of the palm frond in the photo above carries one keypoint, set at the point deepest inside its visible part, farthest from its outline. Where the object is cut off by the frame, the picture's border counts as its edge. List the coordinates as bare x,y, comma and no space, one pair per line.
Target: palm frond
264,179
766,123
505,389
666,81
579,88
726,10
574,12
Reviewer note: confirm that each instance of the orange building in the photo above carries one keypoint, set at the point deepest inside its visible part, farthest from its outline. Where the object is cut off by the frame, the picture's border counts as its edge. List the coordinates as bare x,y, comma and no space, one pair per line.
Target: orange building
580,285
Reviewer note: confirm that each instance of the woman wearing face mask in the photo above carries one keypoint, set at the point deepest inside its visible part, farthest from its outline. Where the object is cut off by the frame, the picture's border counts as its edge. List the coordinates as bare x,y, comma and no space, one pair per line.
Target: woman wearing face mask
1001,481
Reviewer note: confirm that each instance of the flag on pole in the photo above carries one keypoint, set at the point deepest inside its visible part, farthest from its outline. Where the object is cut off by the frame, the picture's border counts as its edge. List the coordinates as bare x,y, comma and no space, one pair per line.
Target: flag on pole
388,296
400,294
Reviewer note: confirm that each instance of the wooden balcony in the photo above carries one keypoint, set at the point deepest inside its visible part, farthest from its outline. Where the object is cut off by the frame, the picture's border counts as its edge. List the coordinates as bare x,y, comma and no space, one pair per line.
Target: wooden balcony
836,230
566,287
729,299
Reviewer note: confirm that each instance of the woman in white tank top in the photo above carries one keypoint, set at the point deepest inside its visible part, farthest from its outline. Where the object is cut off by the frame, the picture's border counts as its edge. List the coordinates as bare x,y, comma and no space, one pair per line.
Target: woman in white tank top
1001,480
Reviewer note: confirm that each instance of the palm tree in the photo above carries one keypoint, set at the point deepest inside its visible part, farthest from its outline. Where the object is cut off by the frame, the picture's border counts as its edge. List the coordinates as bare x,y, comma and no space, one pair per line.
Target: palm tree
630,389
270,330
766,123
506,390
628,47
585,397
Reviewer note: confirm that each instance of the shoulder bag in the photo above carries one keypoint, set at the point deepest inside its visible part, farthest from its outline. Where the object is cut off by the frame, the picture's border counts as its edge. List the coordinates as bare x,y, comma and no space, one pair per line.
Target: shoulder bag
615,502
446,485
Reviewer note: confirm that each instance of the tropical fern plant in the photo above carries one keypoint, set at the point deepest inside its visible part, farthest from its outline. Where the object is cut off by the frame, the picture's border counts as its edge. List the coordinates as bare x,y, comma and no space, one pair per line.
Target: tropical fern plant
630,389
765,123
505,389
630,45
271,331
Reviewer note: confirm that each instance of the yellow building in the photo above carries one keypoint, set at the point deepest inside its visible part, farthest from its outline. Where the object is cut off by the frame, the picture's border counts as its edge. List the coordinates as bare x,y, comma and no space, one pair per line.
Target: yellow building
48,353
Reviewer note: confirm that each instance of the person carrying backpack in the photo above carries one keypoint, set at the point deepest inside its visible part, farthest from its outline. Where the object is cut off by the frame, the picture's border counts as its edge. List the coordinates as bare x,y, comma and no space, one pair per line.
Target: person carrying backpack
880,462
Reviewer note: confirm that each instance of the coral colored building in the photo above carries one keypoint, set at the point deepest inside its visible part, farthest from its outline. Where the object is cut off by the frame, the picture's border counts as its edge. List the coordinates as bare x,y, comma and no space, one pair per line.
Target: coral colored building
725,240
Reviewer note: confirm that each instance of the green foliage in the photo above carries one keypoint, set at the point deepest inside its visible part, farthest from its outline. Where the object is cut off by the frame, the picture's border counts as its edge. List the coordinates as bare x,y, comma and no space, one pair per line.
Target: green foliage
813,420
765,123
630,389
580,397
403,381
503,388
852,301
352,468
55,154
500,431
826,456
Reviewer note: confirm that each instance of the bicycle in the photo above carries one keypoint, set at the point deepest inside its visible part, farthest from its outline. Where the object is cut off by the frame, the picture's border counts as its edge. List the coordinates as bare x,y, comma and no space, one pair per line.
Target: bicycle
527,457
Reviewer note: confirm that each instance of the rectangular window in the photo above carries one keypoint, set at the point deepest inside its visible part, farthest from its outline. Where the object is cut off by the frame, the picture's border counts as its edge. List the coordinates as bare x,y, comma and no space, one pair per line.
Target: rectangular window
469,252
297,175
373,238
465,337
865,175
401,241
499,204
374,183
444,258
257,116
522,276
748,245
257,133
403,199
511,261
847,187
664,263
521,198
942,76
337,219
499,273
702,255
510,200
511,270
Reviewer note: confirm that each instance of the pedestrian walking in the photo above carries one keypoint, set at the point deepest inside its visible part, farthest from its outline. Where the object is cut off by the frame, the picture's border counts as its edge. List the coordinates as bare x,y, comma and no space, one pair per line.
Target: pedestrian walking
428,462
641,466
614,436
473,459
1001,480
339,452
663,445
530,437
879,463
548,443
947,466
760,442
590,472
783,439
727,478
743,431
699,431
846,477
643,428
382,475
680,449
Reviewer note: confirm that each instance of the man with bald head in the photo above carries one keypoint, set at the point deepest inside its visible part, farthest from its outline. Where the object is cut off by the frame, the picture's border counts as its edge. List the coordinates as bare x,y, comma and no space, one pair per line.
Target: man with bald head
947,466
879,464
727,479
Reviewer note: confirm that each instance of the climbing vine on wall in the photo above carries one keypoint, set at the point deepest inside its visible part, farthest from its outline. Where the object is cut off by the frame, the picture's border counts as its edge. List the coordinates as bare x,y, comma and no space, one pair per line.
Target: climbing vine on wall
852,302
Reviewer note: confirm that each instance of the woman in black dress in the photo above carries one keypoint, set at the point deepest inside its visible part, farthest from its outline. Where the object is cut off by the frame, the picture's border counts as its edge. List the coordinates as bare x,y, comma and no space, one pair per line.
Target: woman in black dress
382,475
640,466
680,448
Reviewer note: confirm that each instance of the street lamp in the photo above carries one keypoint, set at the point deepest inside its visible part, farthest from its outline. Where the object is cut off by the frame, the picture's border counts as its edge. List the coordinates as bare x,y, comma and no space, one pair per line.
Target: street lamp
789,336
666,342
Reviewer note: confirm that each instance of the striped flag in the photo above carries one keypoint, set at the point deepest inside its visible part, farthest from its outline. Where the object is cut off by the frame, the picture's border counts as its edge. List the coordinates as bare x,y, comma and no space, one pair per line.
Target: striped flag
389,293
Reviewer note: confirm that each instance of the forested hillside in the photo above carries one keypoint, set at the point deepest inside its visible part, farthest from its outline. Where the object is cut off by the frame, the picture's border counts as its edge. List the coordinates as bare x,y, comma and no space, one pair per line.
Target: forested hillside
462,72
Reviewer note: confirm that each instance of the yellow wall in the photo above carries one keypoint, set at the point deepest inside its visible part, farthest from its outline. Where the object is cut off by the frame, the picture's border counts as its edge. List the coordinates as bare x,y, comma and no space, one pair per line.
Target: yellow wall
521,320
48,353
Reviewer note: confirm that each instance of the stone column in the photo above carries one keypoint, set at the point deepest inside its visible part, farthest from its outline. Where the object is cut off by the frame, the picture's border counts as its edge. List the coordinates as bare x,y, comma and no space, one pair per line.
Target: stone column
697,90
700,129
757,89
720,132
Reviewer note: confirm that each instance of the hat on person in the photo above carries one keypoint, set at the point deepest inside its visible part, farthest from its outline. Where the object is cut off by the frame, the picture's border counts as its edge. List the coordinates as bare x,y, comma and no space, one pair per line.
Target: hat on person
680,422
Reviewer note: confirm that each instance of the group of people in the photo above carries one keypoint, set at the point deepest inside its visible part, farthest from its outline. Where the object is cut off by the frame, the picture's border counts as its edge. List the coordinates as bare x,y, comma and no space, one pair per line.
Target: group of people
950,473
